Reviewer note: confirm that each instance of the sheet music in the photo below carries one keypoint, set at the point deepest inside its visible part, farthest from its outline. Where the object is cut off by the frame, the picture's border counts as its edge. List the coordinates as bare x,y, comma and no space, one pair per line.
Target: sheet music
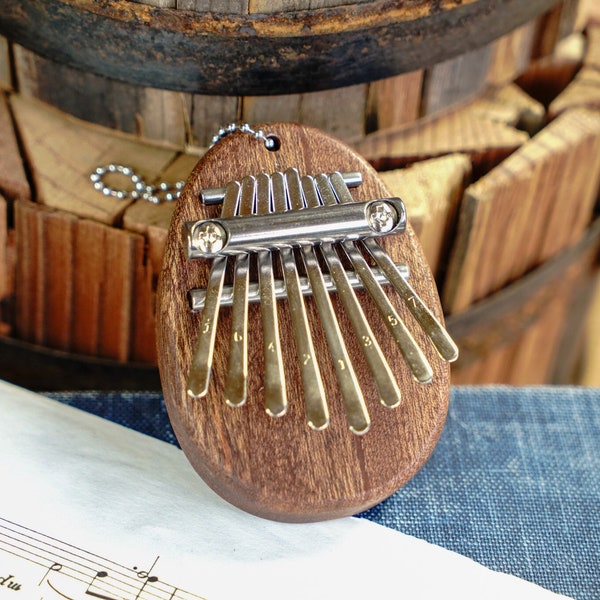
91,510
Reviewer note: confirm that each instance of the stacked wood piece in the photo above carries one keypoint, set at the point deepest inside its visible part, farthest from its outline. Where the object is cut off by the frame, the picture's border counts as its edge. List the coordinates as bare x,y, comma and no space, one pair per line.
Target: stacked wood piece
499,189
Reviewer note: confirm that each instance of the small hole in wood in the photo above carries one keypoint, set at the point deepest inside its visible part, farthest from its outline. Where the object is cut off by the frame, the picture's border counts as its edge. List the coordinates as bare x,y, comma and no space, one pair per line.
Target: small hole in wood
272,143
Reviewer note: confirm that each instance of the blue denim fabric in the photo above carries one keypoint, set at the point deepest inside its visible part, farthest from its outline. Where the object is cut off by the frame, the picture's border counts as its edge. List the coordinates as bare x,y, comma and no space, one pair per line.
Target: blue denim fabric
514,482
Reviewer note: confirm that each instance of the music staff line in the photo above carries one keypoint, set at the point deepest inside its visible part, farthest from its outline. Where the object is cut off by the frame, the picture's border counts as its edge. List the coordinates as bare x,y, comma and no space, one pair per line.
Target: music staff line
103,578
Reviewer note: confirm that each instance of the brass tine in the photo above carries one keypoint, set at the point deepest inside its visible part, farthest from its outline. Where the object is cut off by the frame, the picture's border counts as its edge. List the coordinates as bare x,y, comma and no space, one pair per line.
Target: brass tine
201,364
276,403
317,415
354,403
237,369
387,387
438,335
410,350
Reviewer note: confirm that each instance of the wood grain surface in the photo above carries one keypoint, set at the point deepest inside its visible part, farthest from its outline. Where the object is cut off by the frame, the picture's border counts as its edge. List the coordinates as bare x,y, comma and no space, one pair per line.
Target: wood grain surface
263,53
279,468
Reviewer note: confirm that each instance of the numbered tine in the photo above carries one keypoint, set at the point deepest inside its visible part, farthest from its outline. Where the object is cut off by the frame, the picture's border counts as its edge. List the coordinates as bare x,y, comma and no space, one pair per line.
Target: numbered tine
317,415
411,352
275,220
276,403
201,365
354,403
237,370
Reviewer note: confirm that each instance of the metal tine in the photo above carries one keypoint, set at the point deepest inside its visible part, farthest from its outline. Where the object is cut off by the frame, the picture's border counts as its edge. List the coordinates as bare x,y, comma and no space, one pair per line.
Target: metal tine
354,403
276,403
237,369
387,387
317,415
434,330
412,353
201,364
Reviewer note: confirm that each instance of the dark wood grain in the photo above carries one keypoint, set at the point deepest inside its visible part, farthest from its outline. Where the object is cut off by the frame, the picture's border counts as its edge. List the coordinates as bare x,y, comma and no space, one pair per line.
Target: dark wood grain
261,54
279,468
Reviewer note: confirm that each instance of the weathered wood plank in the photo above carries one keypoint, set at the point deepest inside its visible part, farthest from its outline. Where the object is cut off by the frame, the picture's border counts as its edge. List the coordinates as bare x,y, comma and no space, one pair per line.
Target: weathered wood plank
584,90
511,54
517,216
394,101
431,191
145,112
486,141
5,70
151,220
456,80
63,151
13,180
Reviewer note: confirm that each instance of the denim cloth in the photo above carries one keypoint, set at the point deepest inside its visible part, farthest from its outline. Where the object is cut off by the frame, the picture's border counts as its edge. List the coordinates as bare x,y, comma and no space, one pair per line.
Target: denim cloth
514,482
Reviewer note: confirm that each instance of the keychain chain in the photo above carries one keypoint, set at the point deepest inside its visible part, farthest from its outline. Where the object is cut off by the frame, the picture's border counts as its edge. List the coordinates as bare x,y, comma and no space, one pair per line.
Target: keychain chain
166,191
270,142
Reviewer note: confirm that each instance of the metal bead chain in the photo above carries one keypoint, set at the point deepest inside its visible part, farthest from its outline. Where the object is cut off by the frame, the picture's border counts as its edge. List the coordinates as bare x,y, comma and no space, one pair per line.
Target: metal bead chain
270,142
162,192
165,191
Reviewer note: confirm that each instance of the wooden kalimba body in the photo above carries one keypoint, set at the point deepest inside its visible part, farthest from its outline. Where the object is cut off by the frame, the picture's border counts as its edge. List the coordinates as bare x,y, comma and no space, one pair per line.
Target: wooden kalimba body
304,374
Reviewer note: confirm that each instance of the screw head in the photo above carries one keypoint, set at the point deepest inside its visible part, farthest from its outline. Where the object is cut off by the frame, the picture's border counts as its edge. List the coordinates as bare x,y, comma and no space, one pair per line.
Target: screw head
382,217
208,237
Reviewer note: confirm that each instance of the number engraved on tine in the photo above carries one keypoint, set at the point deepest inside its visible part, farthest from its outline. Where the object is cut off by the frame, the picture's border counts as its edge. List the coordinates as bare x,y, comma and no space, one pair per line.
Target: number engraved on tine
275,390
302,192
237,368
201,364
317,414
412,354
386,384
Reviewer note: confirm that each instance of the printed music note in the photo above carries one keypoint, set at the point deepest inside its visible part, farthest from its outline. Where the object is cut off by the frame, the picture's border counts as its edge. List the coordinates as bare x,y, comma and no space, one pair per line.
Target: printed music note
30,560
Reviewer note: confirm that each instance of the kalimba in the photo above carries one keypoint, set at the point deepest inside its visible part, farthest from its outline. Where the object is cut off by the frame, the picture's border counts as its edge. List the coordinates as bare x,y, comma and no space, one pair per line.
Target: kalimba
301,346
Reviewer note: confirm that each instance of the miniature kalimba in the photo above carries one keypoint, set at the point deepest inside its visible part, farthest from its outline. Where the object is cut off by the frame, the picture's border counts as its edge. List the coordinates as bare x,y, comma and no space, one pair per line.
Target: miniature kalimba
301,350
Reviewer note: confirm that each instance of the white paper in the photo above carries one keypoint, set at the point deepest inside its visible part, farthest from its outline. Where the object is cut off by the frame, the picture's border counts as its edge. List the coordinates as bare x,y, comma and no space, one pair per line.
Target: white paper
89,509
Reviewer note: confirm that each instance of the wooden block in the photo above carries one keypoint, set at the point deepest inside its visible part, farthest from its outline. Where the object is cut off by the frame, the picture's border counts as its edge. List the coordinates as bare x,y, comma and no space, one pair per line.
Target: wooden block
152,220
209,114
7,271
113,294
79,284
584,90
590,375
63,151
45,276
588,13
431,191
4,269
486,141
511,55
13,181
592,51
527,332
339,112
394,101
165,116
554,25
145,112
5,74
530,113
265,109
538,201
456,80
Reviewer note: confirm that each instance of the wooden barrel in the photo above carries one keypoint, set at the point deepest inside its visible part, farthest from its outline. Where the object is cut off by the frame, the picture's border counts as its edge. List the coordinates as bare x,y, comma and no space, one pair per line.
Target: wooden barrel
176,70
498,189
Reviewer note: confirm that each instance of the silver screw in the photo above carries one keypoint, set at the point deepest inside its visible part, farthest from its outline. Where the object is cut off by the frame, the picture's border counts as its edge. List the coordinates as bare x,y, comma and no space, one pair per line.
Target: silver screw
381,216
208,237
